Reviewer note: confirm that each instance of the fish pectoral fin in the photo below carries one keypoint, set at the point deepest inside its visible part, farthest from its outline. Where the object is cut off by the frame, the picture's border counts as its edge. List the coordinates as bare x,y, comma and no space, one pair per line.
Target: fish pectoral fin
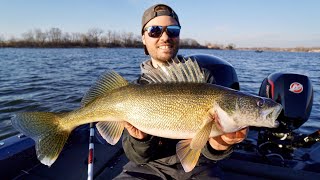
202,136
187,156
188,151
111,131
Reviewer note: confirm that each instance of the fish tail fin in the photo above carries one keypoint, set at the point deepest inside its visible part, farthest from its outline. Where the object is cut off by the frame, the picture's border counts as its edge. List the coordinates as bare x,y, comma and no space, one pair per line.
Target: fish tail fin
46,130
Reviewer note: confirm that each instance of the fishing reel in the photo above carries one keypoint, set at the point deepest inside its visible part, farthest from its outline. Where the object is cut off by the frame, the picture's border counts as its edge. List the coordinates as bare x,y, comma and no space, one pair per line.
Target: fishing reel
295,93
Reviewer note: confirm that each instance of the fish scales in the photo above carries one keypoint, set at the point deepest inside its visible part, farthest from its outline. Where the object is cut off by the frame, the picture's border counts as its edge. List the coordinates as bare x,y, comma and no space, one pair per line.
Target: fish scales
155,108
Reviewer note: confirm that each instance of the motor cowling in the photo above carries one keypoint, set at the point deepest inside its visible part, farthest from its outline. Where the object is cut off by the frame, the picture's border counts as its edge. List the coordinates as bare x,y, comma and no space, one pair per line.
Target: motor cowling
222,71
294,92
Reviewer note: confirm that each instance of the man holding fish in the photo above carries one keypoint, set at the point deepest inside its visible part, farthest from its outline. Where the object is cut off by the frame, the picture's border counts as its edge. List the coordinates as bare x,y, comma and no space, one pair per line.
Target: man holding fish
177,124
160,36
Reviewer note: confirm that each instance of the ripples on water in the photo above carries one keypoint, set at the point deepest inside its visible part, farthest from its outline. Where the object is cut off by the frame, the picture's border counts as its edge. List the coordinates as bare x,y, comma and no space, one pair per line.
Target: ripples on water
56,79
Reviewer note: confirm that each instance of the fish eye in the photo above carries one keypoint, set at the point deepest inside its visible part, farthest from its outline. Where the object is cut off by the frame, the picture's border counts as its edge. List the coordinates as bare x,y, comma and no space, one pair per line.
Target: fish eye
260,102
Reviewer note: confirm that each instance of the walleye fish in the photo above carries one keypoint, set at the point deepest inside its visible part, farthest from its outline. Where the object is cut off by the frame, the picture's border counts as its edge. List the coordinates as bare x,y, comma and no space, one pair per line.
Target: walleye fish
177,104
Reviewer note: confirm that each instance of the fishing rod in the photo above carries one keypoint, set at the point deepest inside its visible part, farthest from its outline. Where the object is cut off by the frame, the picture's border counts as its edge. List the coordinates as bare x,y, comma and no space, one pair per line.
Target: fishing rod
91,153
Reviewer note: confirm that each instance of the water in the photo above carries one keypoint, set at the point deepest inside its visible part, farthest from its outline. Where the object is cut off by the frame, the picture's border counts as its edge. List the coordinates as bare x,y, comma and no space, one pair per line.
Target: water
56,79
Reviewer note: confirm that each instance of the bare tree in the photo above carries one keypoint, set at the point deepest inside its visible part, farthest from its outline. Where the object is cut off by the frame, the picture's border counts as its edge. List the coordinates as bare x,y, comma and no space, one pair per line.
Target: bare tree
213,46
2,39
66,37
116,39
109,36
40,36
188,42
76,37
84,39
54,35
94,34
127,38
231,46
104,41
28,36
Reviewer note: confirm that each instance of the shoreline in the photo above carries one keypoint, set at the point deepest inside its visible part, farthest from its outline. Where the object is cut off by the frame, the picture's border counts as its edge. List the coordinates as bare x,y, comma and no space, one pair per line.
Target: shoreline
258,50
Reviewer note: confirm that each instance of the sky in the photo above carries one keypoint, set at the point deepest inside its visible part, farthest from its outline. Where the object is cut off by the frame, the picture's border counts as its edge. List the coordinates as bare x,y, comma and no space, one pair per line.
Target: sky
245,23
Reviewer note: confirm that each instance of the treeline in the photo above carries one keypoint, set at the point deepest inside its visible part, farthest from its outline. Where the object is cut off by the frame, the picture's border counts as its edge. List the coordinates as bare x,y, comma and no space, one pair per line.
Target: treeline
54,37
95,37
295,49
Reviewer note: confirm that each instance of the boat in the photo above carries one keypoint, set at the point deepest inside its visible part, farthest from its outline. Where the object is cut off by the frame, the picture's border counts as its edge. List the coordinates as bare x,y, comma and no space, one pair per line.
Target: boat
258,51
265,154
18,161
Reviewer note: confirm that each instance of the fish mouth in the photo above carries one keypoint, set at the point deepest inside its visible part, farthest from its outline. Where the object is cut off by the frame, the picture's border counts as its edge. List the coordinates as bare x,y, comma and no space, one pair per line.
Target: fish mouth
277,111
271,115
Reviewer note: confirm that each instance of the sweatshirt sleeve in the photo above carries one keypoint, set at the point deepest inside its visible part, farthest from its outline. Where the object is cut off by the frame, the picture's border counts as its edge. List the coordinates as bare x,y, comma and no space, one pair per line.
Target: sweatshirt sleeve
215,155
136,150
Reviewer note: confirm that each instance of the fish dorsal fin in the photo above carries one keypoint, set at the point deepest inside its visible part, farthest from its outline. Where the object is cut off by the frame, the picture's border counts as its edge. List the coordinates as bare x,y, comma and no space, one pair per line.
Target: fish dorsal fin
107,82
176,71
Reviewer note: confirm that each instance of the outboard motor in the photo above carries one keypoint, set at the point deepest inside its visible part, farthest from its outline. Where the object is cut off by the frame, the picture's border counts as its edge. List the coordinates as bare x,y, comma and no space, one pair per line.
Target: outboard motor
222,71
295,93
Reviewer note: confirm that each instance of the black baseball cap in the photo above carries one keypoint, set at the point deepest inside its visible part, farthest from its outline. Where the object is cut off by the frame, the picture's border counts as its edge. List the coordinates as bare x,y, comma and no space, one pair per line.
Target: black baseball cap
155,11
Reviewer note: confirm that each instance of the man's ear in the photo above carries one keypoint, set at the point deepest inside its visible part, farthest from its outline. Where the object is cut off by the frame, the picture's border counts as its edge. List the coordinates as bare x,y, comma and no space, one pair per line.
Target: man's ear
143,40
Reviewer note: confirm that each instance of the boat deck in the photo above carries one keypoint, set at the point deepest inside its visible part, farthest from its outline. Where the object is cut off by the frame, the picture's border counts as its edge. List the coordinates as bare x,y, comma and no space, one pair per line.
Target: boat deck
109,160
73,164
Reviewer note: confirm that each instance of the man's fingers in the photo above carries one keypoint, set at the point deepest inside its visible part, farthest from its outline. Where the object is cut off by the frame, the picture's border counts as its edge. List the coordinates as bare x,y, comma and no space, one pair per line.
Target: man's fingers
235,137
131,129
218,143
134,131
127,125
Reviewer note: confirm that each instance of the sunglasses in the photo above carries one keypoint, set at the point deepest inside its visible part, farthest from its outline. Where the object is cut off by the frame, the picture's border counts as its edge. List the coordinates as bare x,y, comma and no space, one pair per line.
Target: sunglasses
156,31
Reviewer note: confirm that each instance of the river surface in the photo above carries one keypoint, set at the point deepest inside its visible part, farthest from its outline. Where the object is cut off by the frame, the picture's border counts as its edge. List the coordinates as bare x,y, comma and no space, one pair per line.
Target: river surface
56,79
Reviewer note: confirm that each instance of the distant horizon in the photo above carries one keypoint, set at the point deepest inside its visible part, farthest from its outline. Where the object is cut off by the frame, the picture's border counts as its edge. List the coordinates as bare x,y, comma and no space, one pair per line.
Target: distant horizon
246,24
218,46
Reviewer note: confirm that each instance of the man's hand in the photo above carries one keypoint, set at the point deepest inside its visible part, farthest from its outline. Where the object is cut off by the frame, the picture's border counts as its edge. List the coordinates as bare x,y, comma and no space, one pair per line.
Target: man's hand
226,140
134,132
